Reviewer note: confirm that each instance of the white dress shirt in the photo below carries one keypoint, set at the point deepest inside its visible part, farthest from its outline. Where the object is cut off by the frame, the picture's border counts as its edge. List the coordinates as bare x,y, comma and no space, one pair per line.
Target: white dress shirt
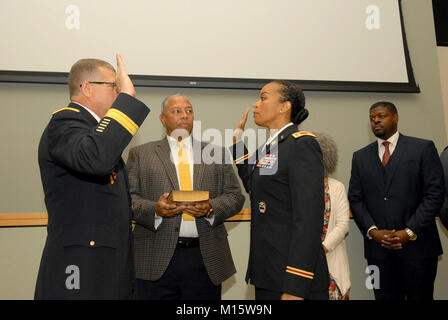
90,111
272,138
393,143
188,229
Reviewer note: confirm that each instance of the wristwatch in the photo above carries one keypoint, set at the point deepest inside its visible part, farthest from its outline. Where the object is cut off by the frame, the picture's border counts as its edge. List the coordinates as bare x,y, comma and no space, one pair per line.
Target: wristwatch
411,234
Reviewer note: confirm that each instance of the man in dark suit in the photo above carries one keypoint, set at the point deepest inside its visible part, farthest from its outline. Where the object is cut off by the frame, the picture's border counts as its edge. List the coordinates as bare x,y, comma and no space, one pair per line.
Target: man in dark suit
396,190
444,211
88,253
181,251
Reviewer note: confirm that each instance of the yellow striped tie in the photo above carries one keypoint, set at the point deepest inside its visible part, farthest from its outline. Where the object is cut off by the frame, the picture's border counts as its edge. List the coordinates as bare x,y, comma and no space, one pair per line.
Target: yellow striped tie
184,176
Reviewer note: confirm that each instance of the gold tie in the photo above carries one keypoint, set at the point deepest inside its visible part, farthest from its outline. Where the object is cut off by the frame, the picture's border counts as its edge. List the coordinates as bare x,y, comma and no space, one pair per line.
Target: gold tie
184,176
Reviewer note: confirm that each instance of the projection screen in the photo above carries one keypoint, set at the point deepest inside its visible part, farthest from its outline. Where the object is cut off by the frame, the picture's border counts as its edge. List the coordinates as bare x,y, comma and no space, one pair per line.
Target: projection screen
348,45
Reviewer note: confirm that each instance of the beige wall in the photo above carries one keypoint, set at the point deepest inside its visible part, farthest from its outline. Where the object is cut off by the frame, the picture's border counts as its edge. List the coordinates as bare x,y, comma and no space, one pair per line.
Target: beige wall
26,109
442,54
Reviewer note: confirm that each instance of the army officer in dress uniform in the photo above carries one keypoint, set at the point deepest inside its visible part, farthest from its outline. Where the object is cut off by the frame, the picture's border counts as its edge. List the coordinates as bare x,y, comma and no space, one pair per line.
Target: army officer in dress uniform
88,252
285,181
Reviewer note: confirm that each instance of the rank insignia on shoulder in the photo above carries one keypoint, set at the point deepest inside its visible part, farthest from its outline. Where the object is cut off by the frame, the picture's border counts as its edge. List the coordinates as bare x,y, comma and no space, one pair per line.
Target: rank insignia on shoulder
67,108
299,134
262,206
103,125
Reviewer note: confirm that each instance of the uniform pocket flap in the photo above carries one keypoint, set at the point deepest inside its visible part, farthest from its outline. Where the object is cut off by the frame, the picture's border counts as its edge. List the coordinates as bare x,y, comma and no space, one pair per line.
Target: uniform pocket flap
90,236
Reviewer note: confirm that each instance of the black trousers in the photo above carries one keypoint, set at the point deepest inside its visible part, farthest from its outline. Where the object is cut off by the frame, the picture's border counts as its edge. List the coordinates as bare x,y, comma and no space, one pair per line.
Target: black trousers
264,294
185,279
401,278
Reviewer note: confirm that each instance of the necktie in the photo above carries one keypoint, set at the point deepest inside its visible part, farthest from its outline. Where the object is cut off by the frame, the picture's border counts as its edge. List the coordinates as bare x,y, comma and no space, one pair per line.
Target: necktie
386,155
184,176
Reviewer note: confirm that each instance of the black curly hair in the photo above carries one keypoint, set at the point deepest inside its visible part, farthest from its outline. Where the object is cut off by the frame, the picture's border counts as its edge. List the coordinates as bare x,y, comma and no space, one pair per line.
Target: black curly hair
292,93
386,104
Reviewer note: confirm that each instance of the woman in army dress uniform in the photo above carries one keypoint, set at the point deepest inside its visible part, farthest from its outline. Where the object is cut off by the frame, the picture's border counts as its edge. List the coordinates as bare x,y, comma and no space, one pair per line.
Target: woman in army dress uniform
284,179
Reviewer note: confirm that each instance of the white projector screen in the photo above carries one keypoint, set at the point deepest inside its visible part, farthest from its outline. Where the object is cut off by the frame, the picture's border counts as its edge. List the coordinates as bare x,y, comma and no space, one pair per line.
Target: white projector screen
352,45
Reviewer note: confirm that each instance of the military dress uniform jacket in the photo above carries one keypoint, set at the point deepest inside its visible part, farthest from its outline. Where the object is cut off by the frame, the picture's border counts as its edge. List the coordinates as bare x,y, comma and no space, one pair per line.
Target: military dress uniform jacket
444,211
87,254
286,187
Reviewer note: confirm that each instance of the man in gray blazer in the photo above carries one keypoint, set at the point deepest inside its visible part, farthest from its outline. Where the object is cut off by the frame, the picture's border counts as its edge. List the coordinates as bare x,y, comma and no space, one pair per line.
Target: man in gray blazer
181,251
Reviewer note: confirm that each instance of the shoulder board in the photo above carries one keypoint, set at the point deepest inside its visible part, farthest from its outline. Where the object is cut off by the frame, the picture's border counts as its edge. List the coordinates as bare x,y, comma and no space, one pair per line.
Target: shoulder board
67,108
299,134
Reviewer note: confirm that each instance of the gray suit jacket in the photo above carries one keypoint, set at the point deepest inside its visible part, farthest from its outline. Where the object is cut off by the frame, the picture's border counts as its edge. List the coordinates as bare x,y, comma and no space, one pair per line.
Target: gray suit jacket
152,173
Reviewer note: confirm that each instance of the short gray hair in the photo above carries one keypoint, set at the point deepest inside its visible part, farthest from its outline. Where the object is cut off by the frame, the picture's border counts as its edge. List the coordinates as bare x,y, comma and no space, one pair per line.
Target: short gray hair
167,98
329,151
82,70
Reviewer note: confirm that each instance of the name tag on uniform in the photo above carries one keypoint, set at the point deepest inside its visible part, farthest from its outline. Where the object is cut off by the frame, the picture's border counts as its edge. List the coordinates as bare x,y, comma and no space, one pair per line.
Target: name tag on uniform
268,161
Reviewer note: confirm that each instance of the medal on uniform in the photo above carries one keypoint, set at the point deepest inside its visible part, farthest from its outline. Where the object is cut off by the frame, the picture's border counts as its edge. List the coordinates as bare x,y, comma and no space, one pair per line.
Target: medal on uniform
267,161
262,206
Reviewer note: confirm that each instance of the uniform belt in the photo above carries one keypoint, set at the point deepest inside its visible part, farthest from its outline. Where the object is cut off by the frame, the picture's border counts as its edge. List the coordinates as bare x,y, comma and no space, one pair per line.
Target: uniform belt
187,242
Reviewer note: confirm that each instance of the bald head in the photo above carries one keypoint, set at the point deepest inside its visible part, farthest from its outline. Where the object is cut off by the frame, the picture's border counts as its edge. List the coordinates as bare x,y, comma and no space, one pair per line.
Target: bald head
165,101
177,113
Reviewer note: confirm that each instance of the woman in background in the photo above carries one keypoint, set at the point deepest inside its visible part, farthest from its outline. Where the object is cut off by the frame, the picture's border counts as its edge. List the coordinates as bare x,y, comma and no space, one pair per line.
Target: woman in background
336,222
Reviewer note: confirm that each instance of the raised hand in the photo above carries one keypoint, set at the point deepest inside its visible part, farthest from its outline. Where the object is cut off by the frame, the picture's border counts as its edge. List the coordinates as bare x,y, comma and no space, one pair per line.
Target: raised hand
124,83
238,133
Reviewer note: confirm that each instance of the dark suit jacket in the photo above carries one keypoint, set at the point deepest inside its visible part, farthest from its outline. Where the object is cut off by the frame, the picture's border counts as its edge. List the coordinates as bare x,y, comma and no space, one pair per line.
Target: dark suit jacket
407,192
152,173
287,203
444,210
88,203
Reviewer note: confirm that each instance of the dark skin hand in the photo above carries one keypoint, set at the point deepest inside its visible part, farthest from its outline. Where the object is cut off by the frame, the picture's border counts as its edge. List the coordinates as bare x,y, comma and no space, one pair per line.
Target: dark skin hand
390,239
240,127
167,209
199,209
287,296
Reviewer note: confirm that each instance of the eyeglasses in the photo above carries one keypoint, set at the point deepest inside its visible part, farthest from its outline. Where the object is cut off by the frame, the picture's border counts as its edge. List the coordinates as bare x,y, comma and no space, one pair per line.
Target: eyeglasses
112,84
